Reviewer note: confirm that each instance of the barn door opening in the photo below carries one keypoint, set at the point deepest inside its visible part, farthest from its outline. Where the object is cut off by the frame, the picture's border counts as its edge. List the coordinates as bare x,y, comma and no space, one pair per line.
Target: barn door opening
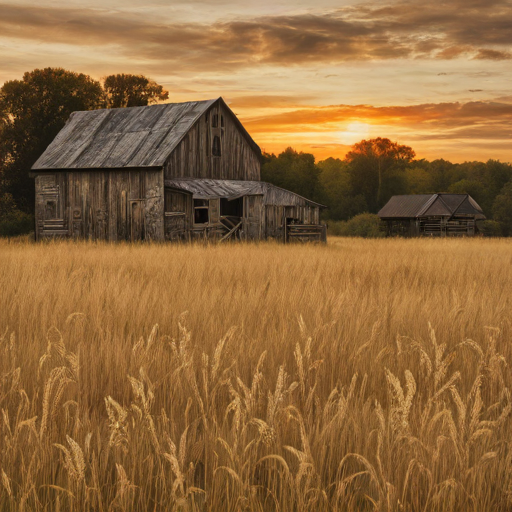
137,220
231,212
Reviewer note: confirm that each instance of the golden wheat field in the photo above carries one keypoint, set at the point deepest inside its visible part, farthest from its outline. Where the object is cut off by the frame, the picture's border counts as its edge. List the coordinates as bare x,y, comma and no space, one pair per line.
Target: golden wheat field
361,375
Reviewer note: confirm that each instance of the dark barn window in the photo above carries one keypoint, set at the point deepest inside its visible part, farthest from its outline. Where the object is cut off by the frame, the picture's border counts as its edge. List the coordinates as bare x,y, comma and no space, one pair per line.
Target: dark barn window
215,120
216,151
201,211
233,208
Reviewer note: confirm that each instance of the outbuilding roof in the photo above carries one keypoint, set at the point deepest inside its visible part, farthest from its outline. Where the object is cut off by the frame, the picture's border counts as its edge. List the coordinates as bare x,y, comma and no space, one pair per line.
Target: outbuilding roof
430,205
202,188
125,137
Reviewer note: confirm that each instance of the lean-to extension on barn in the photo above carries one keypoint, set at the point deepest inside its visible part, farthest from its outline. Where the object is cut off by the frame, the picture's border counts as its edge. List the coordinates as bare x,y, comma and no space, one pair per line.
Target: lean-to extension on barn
431,215
176,171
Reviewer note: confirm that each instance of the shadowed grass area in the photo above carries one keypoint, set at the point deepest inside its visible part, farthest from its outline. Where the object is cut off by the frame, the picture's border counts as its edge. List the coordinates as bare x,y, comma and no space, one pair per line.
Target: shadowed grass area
360,375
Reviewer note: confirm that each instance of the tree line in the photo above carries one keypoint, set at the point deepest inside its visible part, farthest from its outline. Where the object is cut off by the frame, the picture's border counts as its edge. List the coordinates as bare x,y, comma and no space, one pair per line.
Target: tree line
376,169
35,108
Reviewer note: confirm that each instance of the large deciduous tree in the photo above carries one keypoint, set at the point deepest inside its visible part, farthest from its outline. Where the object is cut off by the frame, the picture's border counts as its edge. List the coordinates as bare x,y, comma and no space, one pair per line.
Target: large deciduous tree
32,112
125,90
373,160
292,170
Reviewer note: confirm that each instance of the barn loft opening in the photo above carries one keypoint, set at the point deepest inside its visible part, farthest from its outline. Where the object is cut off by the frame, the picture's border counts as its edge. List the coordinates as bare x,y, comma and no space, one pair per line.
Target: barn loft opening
216,151
234,208
215,120
201,208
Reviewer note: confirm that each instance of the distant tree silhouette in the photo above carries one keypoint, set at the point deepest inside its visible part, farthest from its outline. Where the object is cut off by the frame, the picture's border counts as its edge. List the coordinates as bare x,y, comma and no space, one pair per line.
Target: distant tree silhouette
132,91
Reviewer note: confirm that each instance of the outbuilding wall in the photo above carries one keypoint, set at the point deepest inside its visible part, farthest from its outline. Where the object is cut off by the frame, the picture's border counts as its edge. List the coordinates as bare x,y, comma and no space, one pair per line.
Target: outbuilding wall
259,220
461,225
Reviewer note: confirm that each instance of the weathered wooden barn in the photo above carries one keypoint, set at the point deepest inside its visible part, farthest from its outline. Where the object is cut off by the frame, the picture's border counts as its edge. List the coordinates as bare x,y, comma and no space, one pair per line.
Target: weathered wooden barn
178,171
431,215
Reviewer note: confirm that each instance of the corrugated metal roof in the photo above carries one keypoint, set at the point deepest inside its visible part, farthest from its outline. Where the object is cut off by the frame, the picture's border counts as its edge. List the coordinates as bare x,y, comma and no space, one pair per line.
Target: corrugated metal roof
424,205
404,206
474,204
452,201
124,137
466,207
462,204
227,189
437,208
202,188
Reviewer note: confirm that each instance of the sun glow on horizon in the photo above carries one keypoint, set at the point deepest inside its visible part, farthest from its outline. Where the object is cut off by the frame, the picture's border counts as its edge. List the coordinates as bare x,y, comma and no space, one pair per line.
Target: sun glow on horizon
318,78
354,132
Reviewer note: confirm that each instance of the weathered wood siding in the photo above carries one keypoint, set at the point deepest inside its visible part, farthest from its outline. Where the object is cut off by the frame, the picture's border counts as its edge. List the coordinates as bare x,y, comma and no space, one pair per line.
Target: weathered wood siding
194,156
460,225
282,206
258,221
101,205
276,218
178,215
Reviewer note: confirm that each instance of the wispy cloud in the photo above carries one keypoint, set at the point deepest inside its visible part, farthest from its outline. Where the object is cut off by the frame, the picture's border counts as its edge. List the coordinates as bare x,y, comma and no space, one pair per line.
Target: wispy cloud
400,30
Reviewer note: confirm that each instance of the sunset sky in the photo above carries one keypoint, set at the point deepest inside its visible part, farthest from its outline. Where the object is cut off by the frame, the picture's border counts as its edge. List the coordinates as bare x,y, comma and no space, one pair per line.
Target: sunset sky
436,76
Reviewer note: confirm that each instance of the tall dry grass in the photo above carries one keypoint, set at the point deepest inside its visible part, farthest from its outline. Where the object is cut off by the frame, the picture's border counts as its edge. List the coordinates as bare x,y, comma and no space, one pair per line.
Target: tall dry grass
363,375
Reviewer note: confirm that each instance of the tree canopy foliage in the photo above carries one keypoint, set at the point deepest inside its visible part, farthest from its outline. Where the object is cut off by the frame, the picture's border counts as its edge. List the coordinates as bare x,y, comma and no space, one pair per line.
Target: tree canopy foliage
502,209
293,171
132,91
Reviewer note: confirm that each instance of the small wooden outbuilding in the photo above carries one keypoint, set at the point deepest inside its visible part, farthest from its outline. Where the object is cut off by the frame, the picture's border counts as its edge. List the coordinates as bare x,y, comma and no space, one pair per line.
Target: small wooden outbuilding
431,215
177,171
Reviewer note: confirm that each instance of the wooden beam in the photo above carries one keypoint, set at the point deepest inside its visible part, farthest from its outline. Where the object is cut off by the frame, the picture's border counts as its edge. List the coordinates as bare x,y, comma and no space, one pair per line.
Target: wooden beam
228,235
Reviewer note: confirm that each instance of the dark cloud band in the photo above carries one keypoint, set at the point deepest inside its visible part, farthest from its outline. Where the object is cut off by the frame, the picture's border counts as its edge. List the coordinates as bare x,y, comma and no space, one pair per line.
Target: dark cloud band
402,30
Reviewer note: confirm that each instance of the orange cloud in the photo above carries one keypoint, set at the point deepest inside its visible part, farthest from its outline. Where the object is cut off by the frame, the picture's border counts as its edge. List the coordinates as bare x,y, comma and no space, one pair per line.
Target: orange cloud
436,115
478,129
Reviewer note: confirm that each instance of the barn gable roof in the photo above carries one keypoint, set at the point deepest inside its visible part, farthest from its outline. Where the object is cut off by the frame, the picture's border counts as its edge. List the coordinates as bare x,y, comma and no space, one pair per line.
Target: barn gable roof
437,208
125,137
202,188
425,205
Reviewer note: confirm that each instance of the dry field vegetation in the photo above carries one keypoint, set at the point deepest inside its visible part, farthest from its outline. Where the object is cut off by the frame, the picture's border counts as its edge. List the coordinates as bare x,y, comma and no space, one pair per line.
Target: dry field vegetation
362,375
